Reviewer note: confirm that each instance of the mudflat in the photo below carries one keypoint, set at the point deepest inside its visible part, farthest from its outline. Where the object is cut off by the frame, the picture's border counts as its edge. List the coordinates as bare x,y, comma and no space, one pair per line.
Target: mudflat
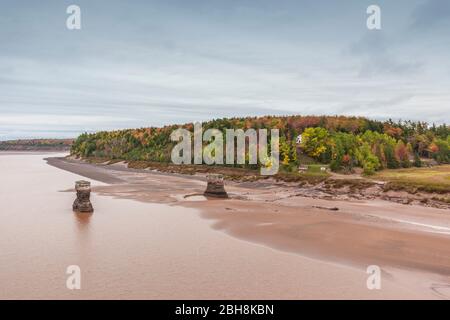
410,243
131,249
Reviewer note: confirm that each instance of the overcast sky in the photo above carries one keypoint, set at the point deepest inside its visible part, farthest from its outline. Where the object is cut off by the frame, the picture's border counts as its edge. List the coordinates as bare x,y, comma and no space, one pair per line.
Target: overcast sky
149,63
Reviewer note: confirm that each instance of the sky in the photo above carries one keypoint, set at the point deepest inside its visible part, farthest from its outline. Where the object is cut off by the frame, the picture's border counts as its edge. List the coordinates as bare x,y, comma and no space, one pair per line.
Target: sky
149,63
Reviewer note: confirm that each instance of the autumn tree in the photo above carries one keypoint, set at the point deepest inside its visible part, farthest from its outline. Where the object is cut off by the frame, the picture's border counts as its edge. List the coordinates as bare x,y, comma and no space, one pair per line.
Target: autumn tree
315,142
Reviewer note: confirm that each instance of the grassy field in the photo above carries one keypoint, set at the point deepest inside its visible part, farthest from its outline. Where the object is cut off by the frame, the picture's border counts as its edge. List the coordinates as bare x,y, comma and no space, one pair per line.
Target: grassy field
316,168
435,179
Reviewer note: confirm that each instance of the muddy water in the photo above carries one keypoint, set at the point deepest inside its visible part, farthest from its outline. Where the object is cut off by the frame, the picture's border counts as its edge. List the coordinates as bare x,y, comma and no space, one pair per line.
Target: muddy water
128,249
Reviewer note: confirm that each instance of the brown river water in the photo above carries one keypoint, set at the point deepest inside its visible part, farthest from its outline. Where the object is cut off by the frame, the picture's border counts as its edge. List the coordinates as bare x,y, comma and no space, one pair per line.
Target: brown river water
128,249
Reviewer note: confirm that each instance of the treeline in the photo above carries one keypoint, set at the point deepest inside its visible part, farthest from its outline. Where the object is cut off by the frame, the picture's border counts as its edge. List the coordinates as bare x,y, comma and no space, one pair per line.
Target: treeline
342,142
36,144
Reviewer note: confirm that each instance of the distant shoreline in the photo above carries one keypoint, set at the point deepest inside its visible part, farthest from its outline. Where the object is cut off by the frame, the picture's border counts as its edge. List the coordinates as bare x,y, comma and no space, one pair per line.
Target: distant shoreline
56,145
37,152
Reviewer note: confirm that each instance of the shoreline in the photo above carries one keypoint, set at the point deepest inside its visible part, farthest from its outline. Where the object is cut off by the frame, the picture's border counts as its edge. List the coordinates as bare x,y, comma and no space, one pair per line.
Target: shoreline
334,186
396,235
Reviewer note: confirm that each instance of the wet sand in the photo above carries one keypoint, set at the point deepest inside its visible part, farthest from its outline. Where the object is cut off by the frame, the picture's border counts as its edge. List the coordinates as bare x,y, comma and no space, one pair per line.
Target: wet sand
135,250
411,244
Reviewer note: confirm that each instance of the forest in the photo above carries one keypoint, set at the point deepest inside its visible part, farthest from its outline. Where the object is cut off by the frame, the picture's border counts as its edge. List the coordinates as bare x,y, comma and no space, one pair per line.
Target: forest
343,143
36,145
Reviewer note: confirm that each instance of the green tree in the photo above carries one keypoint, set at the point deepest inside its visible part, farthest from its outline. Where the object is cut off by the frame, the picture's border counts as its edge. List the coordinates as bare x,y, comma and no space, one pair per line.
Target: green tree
343,147
369,162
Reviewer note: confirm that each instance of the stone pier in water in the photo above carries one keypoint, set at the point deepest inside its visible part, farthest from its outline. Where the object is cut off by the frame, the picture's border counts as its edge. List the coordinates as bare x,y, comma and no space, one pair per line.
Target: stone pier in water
82,202
215,187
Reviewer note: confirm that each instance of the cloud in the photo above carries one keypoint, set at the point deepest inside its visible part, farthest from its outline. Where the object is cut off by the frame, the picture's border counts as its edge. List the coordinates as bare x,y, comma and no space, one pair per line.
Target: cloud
155,63
431,14
60,120
376,59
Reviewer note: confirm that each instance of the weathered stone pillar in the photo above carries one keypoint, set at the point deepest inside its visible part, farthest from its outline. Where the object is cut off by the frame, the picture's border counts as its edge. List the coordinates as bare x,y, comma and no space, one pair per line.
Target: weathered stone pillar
82,202
215,187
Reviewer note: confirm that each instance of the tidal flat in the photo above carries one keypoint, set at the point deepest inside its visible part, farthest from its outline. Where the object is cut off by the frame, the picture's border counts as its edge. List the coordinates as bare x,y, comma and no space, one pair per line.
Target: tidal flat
148,239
